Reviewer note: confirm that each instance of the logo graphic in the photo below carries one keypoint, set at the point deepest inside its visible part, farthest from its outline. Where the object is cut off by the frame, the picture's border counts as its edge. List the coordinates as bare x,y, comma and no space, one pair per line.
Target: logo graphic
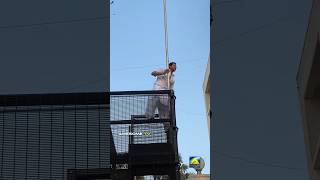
196,162
147,133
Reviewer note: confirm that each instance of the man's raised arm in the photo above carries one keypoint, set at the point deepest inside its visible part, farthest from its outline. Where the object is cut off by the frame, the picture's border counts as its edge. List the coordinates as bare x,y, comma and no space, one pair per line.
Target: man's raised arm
160,72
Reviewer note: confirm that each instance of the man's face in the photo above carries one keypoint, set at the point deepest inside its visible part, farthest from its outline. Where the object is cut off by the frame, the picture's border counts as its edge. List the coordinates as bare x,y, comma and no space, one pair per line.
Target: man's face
173,67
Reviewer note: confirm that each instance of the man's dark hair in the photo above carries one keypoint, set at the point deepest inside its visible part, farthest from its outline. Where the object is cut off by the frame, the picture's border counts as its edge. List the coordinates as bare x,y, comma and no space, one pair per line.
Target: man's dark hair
171,63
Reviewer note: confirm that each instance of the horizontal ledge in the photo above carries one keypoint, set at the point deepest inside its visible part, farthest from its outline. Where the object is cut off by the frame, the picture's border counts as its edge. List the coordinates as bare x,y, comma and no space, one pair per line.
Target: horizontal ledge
141,92
37,108
140,121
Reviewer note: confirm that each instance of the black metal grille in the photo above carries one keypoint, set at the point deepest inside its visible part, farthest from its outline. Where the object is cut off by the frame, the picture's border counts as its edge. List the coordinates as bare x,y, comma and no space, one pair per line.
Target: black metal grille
124,107
139,118
44,141
69,136
144,133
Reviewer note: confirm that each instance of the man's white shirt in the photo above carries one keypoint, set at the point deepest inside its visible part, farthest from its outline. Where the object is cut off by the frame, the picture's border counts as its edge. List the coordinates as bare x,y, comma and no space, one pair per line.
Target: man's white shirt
161,82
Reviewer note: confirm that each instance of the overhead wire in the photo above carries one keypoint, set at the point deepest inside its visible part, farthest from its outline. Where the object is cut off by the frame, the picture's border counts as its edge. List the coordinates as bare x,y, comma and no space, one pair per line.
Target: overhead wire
157,65
255,29
53,22
225,1
104,79
263,163
230,156
166,36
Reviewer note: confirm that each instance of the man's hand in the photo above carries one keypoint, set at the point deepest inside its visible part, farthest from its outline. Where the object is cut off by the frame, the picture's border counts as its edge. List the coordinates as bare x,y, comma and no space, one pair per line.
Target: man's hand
157,73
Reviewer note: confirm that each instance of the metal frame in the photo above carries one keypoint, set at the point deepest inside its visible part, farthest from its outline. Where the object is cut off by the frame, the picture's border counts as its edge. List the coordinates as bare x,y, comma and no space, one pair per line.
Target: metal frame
113,93
156,152
103,98
87,174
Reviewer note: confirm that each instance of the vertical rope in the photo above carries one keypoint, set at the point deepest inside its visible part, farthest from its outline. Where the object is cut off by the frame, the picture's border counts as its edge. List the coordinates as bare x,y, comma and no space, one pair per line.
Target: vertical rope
165,30
166,37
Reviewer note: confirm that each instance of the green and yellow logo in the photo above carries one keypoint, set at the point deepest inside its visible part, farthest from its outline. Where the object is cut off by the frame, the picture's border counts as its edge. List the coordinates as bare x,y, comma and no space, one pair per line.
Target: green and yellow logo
147,133
194,161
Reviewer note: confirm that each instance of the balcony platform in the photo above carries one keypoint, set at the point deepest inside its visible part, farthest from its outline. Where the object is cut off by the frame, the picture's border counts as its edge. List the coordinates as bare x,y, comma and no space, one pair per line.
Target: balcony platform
147,145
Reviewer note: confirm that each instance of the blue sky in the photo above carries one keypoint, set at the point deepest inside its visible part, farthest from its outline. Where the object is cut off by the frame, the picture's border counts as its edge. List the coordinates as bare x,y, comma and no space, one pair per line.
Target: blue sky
137,48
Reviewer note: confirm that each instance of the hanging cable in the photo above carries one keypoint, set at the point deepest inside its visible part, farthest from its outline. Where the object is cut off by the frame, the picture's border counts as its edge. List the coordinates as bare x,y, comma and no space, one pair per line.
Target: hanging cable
166,38
165,31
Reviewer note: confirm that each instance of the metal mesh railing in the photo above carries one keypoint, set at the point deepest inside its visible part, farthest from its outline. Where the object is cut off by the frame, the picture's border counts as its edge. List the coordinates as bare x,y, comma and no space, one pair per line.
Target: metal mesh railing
123,107
140,117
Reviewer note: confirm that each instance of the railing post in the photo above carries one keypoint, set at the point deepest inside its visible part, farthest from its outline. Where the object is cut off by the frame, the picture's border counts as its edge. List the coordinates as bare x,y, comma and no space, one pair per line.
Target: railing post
130,131
172,109
173,127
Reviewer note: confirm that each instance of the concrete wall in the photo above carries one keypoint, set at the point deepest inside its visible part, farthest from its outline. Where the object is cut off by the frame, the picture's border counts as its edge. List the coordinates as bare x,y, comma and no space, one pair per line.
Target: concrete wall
54,46
255,55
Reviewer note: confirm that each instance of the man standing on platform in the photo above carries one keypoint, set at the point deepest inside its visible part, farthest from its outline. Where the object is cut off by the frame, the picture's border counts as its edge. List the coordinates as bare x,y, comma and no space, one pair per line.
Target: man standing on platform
161,83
